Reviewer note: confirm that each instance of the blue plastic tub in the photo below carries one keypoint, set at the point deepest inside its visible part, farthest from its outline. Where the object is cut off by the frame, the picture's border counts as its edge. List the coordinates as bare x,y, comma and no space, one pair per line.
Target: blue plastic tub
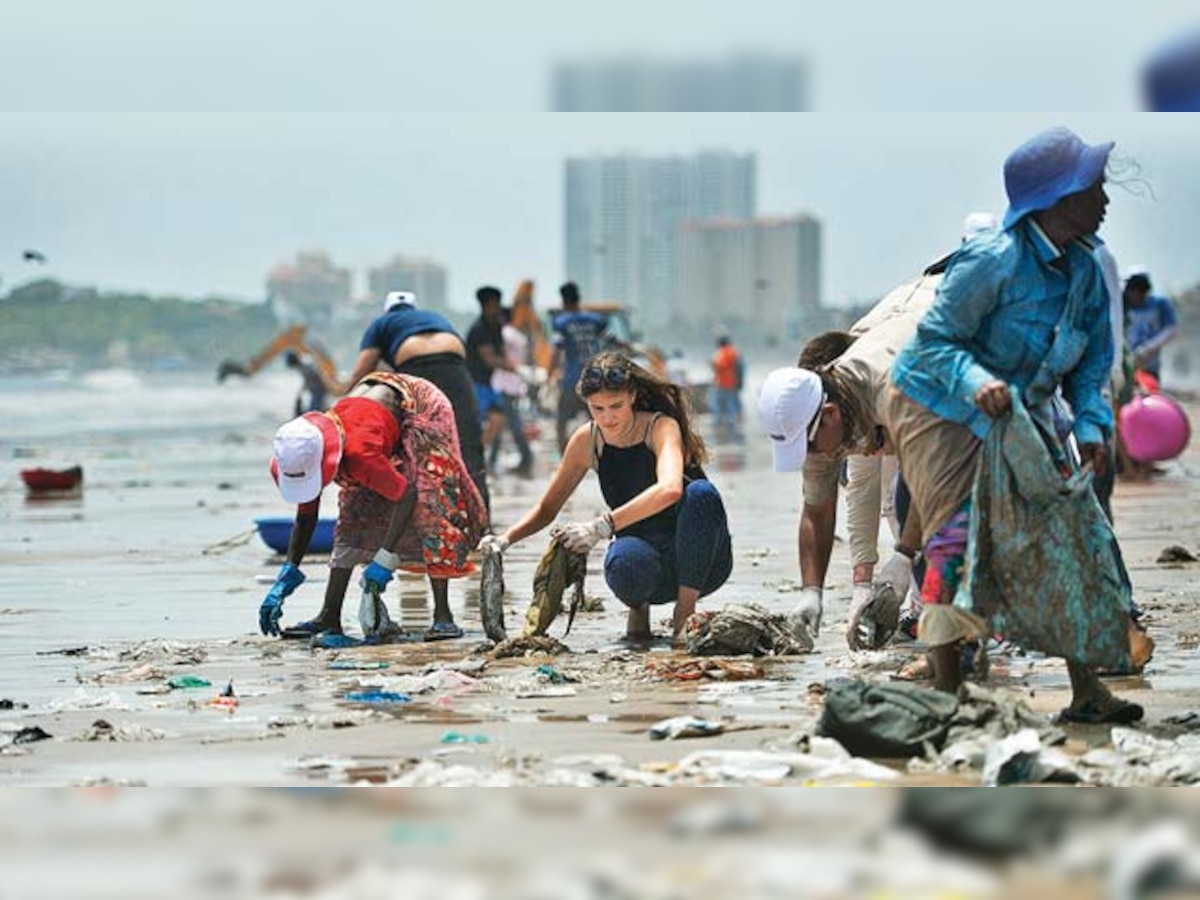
276,531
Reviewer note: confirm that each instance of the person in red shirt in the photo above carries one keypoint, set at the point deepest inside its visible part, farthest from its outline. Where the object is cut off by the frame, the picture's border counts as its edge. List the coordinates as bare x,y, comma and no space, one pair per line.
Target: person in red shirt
727,387
406,498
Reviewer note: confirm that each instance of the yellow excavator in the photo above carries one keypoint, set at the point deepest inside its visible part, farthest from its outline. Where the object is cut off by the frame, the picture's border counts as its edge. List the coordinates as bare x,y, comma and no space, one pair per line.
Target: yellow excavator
291,340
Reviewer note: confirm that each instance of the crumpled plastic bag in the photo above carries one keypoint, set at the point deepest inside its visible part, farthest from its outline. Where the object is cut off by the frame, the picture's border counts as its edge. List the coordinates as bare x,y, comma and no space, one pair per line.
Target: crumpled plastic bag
558,569
745,629
373,617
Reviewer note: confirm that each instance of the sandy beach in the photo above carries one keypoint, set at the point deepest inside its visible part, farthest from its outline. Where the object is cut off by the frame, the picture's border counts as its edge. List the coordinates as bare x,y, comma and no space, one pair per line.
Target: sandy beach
105,598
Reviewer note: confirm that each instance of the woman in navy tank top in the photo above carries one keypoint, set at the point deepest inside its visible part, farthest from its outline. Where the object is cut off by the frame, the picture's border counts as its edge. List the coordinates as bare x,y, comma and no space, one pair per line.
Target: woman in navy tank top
666,525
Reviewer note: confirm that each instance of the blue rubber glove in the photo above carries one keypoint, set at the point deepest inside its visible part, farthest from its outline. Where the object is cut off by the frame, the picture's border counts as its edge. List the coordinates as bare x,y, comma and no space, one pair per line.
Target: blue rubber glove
378,573
289,578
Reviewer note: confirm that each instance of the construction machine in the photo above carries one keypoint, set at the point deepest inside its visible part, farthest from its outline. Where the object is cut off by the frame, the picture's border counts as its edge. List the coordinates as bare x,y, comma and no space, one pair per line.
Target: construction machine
292,339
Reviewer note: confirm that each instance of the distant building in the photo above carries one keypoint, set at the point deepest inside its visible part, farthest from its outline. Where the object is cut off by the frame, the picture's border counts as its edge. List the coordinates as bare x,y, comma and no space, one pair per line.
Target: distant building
762,274
745,82
311,289
424,277
623,215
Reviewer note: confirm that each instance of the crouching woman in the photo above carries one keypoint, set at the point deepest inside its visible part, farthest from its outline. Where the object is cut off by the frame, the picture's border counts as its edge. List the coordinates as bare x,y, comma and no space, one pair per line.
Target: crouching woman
669,534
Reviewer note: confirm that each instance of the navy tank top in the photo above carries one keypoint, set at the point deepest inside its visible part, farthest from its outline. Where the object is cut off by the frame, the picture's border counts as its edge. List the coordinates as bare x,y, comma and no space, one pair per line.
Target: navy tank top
627,471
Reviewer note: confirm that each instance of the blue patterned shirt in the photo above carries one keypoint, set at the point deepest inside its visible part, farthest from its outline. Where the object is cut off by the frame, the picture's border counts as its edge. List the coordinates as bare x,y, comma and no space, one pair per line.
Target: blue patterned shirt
1014,306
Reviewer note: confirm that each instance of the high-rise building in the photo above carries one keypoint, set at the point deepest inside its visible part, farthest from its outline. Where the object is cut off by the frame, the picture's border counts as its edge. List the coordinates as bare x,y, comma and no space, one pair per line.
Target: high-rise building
762,274
623,215
312,289
746,82
424,277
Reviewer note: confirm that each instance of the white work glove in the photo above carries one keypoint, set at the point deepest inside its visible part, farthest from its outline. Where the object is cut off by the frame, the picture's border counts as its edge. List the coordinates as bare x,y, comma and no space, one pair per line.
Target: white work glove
897,572
859,632
808,610
581,537
493,543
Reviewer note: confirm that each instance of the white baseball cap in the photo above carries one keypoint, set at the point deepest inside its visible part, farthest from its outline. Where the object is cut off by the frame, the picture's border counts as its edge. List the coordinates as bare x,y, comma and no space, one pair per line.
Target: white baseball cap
307,453
399,298
789,406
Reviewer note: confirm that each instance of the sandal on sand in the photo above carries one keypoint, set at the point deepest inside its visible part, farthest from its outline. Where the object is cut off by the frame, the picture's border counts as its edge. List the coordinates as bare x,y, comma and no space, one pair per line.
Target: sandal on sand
334,640
303,631
443,631
915,670
1121,712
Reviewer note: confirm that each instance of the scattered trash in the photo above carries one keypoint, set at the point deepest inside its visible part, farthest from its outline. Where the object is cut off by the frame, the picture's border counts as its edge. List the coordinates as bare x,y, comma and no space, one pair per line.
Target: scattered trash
458,737
66,651
558,569
227,699
143,672
1185,719
547,692
175,653
685,727
180,682
103,730
83,699
1176,554
342,719
1021,759
744,629
30,734
491,596
886,720
735,765
152,689
1158,860
674,669
438,679
548,673
351,665
528,645
381,697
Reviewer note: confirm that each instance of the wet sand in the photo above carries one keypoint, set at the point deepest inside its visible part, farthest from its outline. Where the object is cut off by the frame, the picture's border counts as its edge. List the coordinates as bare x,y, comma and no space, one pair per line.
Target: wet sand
124,566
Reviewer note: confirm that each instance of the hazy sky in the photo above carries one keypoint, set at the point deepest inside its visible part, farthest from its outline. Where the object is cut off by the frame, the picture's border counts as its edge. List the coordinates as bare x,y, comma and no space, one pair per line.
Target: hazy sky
198,202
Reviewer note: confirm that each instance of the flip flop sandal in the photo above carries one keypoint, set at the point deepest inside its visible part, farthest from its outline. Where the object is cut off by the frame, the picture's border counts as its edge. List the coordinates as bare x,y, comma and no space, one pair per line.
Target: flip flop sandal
1122,712
443,631
334,640
302,632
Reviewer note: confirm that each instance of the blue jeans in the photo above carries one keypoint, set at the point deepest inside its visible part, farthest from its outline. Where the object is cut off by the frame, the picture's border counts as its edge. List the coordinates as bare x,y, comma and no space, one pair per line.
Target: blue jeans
516,427
727,407
700,554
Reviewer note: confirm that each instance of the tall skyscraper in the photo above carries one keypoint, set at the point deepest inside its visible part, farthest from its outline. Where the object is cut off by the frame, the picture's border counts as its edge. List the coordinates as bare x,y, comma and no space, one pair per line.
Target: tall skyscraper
424,277
623,216
744,82
763,274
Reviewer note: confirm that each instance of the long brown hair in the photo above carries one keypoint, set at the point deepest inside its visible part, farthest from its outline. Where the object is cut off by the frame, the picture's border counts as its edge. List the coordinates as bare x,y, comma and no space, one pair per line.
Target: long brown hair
651,393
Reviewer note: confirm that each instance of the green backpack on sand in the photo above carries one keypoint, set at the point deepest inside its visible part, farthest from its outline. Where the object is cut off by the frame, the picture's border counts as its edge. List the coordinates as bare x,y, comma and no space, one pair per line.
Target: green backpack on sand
892,719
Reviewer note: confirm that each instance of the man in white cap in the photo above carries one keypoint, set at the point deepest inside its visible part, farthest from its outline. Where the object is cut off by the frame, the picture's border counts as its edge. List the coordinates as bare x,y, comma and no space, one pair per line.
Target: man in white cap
870,346
815,419
421,342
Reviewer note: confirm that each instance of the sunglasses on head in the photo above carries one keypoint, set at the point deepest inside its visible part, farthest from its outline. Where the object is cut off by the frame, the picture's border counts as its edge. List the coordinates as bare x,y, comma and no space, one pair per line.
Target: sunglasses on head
601,378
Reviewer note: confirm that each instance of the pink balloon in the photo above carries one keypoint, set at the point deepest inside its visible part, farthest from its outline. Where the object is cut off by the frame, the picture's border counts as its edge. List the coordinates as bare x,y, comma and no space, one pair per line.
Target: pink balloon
1154,427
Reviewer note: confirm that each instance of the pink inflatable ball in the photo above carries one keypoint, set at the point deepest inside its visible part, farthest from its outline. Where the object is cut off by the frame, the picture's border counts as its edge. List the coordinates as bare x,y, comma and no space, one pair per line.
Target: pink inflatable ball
1154,427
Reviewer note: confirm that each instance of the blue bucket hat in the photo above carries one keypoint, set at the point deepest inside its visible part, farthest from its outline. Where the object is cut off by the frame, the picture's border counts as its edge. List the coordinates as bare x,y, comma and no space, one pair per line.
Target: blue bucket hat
1048,167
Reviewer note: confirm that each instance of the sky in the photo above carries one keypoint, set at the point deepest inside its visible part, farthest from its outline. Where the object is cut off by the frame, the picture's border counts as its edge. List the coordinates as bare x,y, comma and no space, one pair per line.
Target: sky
135,156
